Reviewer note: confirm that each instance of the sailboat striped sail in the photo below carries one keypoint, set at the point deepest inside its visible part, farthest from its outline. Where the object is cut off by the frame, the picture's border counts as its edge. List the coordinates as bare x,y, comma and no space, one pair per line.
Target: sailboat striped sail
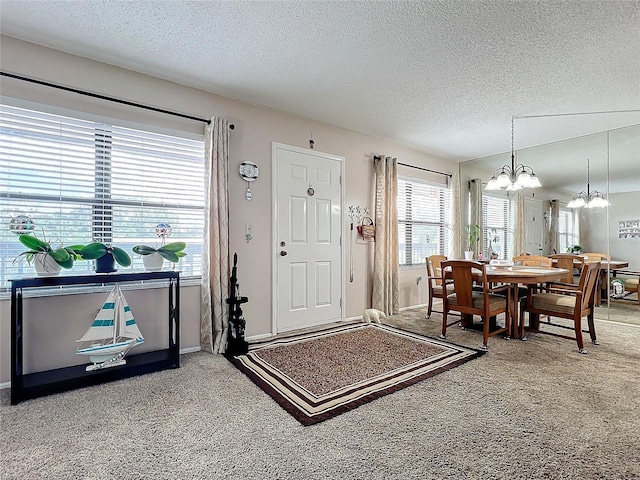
112,334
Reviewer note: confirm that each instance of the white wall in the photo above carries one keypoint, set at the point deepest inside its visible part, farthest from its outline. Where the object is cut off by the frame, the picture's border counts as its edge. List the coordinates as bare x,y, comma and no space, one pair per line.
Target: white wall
256,128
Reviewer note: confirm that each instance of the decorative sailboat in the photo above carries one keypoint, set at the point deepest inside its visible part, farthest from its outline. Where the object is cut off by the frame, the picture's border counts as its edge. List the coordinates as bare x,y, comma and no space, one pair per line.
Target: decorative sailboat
112,334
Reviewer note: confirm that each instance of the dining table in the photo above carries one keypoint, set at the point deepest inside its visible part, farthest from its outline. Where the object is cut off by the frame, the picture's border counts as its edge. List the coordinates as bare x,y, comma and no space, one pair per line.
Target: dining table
515,276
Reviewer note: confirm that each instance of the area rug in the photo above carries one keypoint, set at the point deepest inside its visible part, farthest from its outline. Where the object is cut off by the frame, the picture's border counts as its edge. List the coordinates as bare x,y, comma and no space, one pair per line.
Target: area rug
317,375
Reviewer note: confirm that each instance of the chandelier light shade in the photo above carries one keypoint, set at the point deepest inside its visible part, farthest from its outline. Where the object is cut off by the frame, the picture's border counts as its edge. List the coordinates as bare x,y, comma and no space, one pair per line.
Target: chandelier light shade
588,199
513,177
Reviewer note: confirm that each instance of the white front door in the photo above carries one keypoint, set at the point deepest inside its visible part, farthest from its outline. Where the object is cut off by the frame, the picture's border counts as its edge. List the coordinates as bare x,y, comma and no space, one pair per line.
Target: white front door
308,253
532,227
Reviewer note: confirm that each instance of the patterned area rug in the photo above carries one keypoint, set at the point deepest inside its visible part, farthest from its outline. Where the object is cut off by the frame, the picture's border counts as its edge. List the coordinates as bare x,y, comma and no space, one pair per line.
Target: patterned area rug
318,375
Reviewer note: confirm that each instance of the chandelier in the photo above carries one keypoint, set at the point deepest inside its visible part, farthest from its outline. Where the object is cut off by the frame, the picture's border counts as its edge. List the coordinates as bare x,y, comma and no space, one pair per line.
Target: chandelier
514,177
588,199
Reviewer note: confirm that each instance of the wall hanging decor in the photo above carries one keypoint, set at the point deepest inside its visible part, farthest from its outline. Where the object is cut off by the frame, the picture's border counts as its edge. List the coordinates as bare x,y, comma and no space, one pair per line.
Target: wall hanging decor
629,229
249,172
367,229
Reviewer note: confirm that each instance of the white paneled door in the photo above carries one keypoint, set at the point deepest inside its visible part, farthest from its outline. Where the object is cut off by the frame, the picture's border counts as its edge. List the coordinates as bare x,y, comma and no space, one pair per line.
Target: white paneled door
307,238
533,222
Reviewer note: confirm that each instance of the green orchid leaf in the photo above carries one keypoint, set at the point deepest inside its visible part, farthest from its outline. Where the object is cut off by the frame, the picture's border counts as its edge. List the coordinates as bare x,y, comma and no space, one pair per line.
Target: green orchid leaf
33,243
168,254
143,250
121,256
174,246
93,251
74,251
61,256
181,254
66,264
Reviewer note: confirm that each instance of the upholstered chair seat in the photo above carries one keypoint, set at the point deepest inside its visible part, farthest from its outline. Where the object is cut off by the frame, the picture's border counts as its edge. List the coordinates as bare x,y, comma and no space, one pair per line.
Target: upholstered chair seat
438,290
557,303
495,301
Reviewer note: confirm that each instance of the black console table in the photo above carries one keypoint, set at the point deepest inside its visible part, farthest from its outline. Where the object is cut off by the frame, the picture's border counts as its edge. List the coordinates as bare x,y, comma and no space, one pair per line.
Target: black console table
37,384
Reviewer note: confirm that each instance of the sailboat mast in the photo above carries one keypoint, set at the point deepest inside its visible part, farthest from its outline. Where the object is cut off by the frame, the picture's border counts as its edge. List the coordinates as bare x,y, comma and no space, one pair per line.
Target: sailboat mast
118,327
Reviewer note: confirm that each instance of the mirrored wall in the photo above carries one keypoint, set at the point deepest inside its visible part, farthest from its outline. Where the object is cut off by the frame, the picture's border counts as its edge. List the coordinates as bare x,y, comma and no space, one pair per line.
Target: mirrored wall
603,169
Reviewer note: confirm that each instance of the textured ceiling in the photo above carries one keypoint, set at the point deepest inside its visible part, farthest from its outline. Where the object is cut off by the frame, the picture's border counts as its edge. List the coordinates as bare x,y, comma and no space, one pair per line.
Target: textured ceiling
442,77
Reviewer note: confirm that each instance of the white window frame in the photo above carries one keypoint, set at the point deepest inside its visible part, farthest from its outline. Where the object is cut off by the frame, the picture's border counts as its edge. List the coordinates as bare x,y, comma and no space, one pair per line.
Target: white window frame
409,257
504,231
570,236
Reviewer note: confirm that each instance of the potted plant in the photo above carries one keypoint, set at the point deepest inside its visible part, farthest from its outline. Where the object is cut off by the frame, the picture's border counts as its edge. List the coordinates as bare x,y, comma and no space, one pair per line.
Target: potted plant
106,256
473,236
576,249
46,259
153,258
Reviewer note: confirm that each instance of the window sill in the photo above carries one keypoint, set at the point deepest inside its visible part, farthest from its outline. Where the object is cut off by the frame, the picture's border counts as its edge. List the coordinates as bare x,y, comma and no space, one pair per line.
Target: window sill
411,267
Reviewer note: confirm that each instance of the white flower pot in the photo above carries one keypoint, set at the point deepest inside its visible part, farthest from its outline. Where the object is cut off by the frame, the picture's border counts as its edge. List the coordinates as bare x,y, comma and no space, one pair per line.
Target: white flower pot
468,255
45,265
153,262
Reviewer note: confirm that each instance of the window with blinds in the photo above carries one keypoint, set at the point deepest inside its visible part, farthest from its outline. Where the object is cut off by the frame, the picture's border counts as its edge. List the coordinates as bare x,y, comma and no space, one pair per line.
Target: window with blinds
568,229
81,181
424,221
497,226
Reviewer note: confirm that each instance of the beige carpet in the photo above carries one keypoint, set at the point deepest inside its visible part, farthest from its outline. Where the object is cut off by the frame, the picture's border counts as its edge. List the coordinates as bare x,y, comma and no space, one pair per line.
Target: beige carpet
525,410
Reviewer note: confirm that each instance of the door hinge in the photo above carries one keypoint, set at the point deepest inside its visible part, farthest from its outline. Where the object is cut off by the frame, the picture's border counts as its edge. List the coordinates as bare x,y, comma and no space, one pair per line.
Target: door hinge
340,303
340,240
340,179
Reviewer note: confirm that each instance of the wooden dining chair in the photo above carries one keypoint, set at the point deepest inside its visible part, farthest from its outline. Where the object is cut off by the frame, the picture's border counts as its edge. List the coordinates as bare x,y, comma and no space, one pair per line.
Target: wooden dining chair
530,261
533,261
435,281
595,257
572,302
602,278
567,261
469,302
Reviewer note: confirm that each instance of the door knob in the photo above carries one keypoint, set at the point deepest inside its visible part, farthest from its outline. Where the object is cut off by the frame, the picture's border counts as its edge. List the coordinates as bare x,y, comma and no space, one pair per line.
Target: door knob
282,253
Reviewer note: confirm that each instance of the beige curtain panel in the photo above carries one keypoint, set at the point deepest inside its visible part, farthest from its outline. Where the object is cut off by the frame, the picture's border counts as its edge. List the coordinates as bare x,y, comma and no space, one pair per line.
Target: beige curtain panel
554,220
475,188
214,323
385,258
518,234
456,225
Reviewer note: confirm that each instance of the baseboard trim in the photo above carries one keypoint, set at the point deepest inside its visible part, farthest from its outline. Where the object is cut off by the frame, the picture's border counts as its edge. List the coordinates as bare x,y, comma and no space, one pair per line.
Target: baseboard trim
182,352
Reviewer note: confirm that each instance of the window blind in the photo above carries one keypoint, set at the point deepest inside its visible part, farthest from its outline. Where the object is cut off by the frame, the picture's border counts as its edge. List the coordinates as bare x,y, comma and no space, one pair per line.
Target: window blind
568,229
497,226
424,221
81,181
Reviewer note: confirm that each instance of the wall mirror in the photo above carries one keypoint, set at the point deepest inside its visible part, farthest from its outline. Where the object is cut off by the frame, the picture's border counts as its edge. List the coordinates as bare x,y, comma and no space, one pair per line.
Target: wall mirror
602,162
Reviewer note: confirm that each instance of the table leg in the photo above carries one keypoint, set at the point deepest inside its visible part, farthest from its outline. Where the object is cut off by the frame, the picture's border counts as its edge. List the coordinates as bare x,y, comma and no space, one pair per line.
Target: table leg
515,326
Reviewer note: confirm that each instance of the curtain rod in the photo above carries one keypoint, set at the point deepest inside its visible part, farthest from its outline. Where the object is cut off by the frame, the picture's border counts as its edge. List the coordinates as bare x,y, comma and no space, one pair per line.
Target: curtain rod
377,157
104,97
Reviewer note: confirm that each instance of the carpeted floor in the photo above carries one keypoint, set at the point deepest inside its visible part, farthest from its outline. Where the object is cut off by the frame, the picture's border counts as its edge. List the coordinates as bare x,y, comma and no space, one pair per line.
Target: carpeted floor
525,410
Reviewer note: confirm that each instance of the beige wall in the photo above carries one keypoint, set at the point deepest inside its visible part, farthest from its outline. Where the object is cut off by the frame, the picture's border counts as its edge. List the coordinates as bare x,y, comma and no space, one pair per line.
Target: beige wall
596,237
256,128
